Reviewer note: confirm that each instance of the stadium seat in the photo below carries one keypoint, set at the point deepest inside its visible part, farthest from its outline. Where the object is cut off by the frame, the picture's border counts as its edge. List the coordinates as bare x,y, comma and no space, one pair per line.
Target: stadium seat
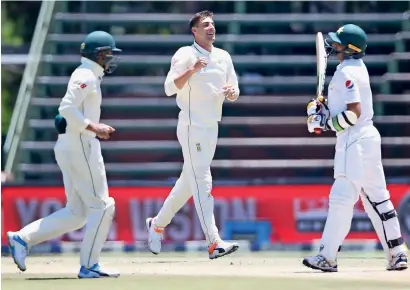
263,135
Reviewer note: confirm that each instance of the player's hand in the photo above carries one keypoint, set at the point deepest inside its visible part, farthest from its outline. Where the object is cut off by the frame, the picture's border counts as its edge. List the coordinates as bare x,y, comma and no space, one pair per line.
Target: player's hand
200,63
103,131
229,92
316,123
318,106
313,107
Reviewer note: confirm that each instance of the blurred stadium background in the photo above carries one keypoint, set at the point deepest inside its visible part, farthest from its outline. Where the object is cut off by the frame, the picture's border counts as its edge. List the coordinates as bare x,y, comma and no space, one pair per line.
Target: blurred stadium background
271,176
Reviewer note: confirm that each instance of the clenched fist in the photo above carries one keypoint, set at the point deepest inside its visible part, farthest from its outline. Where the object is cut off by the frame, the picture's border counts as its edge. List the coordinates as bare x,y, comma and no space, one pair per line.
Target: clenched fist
229,92
318,106
200,63
316,123
103,131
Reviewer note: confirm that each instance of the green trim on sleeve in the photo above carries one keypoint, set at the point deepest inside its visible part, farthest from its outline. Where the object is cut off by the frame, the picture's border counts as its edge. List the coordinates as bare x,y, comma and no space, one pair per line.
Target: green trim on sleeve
336,125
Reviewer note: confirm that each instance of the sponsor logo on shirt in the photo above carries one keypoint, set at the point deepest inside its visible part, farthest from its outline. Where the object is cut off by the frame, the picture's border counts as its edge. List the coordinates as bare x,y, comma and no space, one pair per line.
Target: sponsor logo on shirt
349,84
78,84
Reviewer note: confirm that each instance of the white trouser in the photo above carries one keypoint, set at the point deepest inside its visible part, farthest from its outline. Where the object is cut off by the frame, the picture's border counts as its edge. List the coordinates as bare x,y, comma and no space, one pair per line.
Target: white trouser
358,171
198,149
82,166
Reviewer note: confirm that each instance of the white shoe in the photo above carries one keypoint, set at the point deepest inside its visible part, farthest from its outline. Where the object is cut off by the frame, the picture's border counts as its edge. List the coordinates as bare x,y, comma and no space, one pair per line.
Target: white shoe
96,272
319,262
221,248
19,250
398,262
154,236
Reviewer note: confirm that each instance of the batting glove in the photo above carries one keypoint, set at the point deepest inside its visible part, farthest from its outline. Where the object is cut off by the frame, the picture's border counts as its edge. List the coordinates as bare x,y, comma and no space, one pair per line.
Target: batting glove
316,123
318,106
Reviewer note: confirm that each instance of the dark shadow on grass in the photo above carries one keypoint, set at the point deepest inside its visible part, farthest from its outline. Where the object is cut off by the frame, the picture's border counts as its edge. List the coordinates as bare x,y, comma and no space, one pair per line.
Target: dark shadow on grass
363,258
51,278
311,272
345,271
161,262
171,262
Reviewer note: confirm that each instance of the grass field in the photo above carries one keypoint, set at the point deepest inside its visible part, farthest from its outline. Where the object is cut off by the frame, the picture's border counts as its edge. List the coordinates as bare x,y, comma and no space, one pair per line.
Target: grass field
172,271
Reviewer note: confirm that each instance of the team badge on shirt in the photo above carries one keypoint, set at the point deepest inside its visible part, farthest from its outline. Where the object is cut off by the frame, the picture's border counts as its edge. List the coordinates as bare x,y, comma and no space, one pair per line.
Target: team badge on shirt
174,61
349,84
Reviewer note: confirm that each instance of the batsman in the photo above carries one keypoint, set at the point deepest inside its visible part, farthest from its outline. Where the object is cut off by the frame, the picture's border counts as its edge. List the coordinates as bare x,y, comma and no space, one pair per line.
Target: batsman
358,169
78,154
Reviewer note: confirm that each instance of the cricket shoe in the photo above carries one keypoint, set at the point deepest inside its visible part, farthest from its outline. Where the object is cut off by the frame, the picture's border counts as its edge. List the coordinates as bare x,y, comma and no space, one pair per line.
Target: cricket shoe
221,248
96,272
154,236
398,263
319,262
19,250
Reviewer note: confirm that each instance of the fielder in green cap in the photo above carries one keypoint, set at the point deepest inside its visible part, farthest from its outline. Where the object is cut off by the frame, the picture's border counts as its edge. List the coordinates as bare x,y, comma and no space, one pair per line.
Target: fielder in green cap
78,154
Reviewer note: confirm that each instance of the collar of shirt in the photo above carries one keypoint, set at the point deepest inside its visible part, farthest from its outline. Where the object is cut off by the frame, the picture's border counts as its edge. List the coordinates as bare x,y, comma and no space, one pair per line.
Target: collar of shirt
201,50
95,67
347,62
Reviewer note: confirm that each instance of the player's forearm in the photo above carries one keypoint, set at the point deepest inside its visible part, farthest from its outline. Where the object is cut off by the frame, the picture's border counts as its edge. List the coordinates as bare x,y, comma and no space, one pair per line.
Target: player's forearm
342,121
181,81
232,79
345,119
173,84
74,116
92,127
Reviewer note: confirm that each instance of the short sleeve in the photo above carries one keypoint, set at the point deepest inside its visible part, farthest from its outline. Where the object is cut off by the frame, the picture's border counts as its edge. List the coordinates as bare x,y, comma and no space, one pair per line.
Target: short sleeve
349,88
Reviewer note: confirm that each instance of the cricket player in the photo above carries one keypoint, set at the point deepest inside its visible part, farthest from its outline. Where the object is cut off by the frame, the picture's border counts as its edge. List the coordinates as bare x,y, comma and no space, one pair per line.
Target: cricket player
358,169
202,76
78,154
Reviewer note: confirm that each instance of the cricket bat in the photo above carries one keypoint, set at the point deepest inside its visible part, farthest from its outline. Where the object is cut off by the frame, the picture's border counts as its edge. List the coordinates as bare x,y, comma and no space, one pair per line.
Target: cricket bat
321,64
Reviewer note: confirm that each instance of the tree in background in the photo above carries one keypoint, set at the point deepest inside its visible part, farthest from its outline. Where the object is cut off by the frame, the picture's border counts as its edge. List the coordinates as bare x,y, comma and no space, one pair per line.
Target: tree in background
18,20
17,28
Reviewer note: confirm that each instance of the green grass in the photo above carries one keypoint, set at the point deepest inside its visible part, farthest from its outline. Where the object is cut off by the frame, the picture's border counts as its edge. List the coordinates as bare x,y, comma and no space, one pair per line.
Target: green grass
194,271
188,282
